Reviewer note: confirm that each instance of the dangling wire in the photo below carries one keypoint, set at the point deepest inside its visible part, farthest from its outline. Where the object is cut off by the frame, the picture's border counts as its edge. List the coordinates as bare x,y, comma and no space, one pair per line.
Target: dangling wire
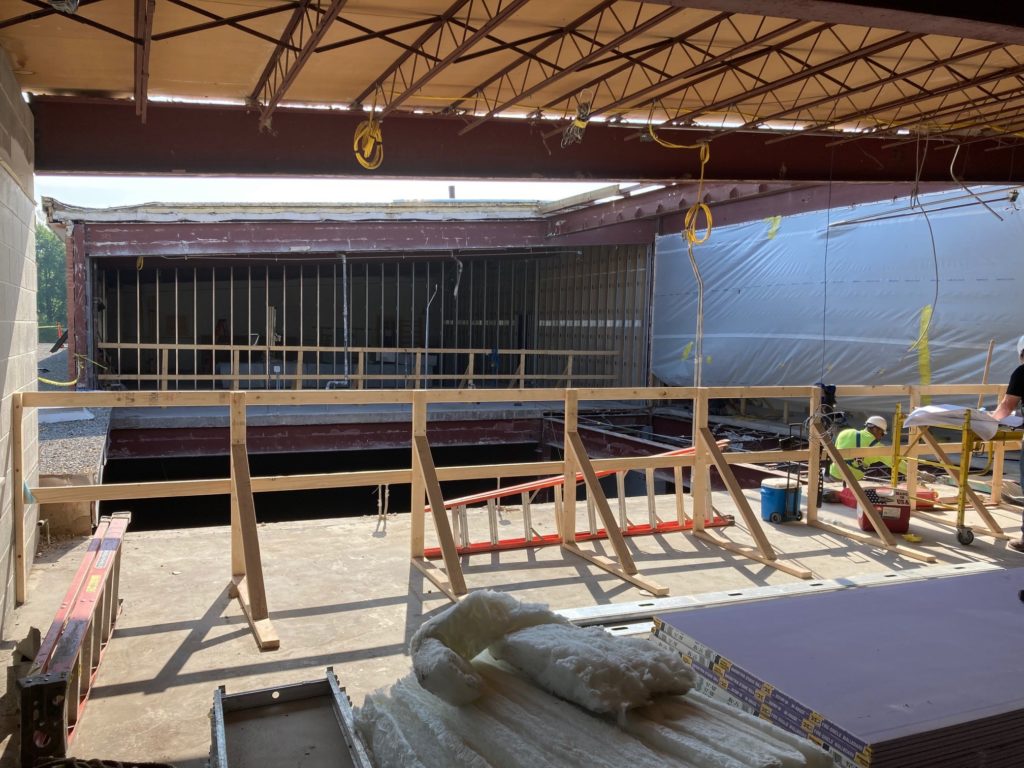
573,133
690,222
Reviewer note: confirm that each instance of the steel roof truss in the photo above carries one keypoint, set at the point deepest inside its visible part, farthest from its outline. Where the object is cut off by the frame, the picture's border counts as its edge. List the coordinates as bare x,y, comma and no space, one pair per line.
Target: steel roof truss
628,33
80,19
225,21
305,30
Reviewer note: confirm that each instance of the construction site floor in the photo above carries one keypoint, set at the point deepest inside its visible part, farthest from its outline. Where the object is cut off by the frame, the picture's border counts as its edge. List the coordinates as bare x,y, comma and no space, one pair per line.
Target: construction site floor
342,593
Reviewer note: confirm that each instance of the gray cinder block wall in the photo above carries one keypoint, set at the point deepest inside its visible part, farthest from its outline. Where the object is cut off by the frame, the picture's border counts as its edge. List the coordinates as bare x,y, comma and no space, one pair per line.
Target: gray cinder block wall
18,325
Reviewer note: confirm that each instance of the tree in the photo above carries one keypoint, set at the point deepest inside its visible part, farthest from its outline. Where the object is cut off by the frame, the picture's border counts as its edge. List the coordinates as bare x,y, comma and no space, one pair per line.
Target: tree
51,300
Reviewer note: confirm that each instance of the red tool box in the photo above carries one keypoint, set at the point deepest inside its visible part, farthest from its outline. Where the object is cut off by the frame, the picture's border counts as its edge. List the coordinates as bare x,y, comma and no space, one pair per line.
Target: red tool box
893,504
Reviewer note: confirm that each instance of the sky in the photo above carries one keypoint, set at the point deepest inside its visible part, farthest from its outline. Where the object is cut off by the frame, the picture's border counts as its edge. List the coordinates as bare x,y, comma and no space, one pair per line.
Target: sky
107,191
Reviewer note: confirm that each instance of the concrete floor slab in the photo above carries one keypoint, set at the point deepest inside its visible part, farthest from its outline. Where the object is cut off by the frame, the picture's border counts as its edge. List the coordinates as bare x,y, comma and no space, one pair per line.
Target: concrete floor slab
342,593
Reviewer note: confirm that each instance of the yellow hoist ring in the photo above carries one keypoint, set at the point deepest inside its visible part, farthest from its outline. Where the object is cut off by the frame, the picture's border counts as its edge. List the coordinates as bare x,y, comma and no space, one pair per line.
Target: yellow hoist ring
368,144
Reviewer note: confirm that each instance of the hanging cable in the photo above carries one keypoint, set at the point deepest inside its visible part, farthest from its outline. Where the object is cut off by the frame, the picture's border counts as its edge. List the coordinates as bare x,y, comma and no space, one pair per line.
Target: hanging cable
915,199
692,238
368,141
824,281
573,133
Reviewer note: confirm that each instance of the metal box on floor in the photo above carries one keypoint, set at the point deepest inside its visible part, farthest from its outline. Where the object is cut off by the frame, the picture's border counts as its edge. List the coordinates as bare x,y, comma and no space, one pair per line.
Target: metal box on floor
308,724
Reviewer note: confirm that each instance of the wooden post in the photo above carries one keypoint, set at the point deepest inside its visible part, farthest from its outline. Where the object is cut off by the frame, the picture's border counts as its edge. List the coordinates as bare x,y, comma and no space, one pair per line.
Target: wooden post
18,499
417,500
248,586
813,457
419,370
998,455
700,487
913,437
522,370
572,405
652,510
527,516
677,473
361,369
568,371
163,368
452,583
298,368
235,367
467,376
620,487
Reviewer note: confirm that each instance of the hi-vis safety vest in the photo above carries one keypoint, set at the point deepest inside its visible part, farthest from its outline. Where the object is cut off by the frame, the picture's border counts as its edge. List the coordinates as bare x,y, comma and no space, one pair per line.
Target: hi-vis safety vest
855,438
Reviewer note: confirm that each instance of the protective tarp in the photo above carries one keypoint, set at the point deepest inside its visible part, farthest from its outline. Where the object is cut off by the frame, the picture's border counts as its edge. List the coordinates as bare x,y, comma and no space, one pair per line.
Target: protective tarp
841,296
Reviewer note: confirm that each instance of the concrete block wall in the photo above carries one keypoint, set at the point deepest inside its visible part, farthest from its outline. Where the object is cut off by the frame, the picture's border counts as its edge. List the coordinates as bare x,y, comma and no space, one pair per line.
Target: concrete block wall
18,325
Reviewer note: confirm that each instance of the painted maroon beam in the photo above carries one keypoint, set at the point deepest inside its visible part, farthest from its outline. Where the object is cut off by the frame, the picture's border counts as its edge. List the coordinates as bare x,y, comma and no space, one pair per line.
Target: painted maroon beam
639,219
214,139
174,442
301,240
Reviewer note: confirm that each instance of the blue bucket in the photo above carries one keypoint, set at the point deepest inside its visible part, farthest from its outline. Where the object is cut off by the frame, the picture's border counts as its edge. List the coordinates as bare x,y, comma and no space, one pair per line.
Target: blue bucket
780,496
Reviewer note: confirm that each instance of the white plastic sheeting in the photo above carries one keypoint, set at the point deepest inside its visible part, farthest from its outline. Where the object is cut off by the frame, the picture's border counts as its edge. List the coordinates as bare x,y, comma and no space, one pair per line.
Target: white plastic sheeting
779,310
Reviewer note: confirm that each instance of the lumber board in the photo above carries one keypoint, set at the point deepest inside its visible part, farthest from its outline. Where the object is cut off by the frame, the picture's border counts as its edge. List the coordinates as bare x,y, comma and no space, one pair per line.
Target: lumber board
437,577
753,554
764,547
618,543
444,532
866,538
262,629
866,506
247,527
607,564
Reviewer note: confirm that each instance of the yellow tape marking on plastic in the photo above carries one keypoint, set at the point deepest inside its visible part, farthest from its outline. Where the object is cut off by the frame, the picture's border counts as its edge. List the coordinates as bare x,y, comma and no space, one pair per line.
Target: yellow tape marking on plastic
924,356
774,222
687,350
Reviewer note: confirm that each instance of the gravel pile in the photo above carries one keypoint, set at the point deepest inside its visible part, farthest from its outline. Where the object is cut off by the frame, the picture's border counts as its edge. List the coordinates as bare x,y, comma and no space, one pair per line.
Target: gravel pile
69,447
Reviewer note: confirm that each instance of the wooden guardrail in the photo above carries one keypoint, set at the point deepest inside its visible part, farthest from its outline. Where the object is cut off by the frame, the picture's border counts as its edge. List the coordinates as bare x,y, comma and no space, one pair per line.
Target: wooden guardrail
424,476
288,366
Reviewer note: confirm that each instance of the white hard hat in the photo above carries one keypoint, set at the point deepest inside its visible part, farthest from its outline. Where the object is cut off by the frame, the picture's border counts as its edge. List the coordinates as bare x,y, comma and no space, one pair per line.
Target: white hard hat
877,421
1020,346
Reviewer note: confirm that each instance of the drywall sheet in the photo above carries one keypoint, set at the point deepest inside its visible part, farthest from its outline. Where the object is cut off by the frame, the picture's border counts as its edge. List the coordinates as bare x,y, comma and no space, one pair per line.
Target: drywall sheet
895,676
841,296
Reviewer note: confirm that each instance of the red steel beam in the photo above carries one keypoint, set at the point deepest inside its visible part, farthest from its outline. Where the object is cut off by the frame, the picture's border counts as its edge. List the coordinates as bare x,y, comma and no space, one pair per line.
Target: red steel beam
216,139
301,241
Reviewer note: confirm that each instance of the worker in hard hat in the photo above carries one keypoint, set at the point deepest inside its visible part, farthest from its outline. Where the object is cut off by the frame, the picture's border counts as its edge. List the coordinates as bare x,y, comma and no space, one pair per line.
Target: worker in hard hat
874,430
1012,399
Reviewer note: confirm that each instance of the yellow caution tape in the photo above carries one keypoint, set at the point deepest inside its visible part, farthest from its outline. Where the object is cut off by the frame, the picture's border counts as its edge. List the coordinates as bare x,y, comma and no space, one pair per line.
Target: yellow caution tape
774,222
924,357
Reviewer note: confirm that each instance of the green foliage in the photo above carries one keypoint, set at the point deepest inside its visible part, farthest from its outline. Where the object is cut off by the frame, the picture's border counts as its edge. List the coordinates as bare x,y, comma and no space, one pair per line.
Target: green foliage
51,302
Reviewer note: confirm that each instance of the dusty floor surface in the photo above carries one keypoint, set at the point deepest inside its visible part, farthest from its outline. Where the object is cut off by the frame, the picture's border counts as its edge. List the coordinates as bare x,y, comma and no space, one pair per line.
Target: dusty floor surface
342,594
